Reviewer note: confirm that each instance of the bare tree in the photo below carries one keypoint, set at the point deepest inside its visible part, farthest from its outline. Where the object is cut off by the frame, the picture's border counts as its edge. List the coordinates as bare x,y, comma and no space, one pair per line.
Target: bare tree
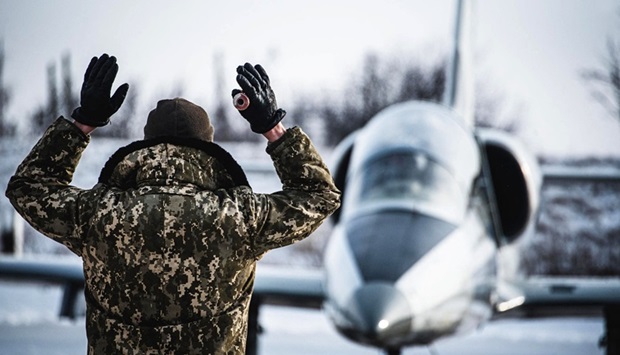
421,84
221,120
45,114
374,87
386,82
69,98
53,105
606,79
381,84
368,94
6,128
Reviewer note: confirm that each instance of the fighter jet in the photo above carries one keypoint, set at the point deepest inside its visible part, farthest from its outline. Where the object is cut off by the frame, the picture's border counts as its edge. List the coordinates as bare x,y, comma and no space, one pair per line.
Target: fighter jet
424,245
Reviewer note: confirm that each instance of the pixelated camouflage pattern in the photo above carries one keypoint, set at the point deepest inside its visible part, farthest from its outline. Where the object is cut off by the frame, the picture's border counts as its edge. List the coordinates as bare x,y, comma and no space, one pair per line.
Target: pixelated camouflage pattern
169,244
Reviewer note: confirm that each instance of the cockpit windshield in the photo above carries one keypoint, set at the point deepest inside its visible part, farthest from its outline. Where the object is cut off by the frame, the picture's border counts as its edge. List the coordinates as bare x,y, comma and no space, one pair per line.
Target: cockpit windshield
409,179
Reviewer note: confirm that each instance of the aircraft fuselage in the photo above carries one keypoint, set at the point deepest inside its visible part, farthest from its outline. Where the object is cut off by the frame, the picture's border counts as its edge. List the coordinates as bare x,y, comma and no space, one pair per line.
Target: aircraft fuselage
413,255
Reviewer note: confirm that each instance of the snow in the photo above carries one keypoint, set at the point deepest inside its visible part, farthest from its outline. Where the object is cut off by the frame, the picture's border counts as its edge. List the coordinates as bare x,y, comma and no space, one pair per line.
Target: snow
28,325
578,230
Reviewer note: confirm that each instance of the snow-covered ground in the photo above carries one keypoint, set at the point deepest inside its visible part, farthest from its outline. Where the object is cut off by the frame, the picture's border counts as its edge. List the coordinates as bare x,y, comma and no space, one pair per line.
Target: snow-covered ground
578,231
29,326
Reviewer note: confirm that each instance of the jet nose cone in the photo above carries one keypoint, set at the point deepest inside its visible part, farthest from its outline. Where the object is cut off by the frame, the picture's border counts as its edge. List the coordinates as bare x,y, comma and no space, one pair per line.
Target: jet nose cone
381,312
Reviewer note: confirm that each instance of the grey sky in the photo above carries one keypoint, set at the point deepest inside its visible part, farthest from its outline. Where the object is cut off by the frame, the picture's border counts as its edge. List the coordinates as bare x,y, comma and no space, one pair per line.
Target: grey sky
533,52
528,52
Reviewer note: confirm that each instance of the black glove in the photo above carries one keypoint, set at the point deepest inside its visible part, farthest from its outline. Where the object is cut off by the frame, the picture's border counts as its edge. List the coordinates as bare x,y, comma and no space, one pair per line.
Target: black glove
96,105
263,112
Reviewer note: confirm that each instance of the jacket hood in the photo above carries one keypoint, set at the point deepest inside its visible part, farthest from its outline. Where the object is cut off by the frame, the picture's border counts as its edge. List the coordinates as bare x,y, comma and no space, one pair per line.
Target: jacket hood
168,160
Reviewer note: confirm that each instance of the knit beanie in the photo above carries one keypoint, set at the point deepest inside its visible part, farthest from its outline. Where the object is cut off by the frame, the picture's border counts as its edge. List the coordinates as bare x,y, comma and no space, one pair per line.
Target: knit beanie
180,118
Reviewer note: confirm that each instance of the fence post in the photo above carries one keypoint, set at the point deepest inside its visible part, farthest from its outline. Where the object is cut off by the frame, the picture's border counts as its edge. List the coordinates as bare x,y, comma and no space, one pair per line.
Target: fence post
11,233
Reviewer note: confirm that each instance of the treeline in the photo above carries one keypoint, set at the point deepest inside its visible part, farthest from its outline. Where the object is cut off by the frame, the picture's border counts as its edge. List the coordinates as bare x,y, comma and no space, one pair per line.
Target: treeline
6,127
379,83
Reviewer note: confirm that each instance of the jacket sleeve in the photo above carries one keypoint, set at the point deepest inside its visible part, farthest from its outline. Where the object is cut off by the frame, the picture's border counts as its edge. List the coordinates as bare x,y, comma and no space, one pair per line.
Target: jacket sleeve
40,190
308,194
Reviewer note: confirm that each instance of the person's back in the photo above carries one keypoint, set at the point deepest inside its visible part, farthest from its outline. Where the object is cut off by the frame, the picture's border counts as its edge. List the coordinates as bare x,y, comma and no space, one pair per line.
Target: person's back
170,235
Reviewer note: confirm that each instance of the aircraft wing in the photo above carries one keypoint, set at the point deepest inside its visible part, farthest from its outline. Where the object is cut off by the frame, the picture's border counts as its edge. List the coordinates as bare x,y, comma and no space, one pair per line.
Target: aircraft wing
301,287
557,173
63,271
544,296
54,270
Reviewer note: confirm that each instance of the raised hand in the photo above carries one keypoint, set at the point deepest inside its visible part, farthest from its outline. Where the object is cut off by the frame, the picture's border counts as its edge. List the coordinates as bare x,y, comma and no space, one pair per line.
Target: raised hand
263,112
96,104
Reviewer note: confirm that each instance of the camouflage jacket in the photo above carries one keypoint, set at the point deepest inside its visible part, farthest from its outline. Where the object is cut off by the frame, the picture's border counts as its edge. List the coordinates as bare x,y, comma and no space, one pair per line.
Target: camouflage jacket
170,235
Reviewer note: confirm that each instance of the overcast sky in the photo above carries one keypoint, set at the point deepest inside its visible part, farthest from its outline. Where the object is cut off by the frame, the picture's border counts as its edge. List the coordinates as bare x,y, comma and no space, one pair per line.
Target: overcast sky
527,52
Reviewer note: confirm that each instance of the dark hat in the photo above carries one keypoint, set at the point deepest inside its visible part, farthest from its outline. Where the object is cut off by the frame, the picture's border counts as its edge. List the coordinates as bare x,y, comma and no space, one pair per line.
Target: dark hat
180,118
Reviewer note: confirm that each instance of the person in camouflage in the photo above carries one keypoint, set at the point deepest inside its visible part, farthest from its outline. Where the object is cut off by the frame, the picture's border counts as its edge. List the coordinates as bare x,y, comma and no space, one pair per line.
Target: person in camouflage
171,233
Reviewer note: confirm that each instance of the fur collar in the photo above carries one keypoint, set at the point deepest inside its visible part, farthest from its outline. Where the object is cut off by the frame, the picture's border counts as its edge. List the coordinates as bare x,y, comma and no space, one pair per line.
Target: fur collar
212,149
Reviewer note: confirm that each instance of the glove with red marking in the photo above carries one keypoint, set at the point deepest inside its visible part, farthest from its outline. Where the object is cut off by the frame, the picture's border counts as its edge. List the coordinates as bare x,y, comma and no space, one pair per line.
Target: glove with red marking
263,112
